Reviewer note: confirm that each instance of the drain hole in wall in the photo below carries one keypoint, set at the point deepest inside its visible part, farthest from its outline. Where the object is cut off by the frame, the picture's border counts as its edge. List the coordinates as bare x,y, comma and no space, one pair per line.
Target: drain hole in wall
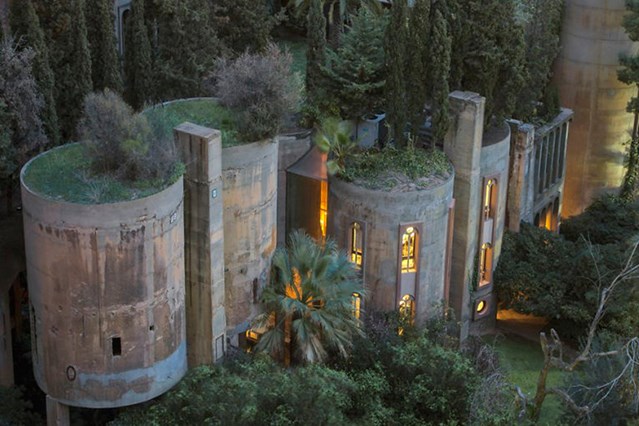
152,328
71,373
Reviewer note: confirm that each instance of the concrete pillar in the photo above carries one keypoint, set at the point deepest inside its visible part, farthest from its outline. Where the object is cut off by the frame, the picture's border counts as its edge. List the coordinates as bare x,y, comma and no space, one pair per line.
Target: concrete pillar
520,181
6,348
463,146
586,76
57,413
201,150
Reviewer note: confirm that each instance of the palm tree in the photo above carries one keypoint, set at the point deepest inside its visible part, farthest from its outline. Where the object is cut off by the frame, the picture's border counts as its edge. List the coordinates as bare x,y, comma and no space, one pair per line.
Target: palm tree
336,12
309,301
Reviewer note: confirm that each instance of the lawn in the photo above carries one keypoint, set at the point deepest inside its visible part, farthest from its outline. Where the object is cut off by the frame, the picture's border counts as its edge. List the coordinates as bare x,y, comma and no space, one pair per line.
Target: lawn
522,360
65,174
204,112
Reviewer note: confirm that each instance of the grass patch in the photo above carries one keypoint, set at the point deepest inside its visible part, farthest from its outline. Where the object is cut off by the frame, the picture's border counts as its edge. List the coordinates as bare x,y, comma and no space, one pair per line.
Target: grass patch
64,174
204,112
389,168
298,48
522,360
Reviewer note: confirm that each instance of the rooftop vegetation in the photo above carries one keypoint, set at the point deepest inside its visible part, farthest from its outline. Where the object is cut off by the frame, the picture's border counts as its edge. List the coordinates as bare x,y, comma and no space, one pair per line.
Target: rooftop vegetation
205,112
65,174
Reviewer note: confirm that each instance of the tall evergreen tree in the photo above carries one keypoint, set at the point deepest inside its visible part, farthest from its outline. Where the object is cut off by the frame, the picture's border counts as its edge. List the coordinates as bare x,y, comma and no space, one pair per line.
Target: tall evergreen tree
184,48
66,35
355,72
316,54
629,74
440,50
138,64
105,64
25,25
395,39
419,60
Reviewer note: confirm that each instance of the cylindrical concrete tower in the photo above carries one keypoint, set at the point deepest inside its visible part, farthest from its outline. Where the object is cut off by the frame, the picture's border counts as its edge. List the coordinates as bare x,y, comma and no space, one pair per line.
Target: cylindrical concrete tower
586,75
106,285
249,174
399,239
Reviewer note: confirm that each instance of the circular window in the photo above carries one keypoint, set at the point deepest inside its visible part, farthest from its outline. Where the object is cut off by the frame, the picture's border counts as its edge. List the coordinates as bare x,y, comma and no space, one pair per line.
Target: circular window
481,307
71,374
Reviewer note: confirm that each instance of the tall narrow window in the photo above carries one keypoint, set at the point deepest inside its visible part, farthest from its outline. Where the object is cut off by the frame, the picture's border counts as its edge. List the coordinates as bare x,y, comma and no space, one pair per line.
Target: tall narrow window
488,198
407,309
323,214
357,245
356,303
409,250
485,264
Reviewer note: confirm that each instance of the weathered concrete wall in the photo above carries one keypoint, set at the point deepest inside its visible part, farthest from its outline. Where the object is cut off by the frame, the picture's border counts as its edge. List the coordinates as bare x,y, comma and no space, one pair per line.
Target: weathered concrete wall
6,348
291,149
463,147
249,174
494,162
106,284
521,177
382,214
586,75
201,150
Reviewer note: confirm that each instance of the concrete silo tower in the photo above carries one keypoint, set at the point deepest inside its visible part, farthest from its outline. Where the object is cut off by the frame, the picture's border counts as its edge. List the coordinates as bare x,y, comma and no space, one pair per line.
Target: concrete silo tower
586,75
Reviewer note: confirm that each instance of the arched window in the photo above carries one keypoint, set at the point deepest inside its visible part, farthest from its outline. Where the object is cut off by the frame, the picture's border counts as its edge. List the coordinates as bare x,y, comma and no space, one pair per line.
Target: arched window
407,309
409,250
357,245
356,303
323,213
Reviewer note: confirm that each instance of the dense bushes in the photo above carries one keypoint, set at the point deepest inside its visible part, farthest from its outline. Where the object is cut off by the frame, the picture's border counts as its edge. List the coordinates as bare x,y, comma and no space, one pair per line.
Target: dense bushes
260,89
389,380
559,276
121,142
15,410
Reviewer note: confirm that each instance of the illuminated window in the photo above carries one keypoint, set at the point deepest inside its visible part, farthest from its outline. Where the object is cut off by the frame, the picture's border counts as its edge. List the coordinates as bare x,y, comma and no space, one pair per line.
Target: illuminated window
323,214
481,307
407,309
409,250
356,303
485,263
488,198
357,249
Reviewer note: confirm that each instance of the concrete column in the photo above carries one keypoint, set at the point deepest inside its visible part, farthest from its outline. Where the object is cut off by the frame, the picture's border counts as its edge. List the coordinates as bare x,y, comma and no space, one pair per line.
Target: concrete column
520,181
6,348
463,147
57,413
201,150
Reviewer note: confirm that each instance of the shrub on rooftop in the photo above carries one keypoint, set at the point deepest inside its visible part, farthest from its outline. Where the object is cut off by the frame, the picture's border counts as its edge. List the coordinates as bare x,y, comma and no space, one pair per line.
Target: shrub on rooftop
122,143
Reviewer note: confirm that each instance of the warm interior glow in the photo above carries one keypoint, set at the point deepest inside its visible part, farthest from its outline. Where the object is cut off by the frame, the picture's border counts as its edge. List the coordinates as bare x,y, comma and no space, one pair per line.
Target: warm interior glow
357,251
481,306
252,335
485,263
488,196
357,304
323,214
409,243
407,309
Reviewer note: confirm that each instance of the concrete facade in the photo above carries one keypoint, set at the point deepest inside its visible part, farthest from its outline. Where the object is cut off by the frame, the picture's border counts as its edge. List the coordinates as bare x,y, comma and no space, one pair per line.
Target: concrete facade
383,217
586,75
106,286
201,151
463,147
249,174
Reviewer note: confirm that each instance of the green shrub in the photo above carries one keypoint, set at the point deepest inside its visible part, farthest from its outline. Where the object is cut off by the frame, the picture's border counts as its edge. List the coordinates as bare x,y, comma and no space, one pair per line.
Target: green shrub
122,143
15,410
260,89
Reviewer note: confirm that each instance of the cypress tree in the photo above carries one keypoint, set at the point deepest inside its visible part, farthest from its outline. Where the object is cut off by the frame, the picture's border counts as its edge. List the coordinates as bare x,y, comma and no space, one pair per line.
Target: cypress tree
395,40
440,51
419,60
138,63
66,35
25,24
105,65
316,55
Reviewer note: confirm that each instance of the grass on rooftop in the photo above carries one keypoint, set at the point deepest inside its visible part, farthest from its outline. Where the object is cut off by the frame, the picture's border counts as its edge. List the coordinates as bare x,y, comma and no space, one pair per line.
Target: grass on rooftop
64,174
204,112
